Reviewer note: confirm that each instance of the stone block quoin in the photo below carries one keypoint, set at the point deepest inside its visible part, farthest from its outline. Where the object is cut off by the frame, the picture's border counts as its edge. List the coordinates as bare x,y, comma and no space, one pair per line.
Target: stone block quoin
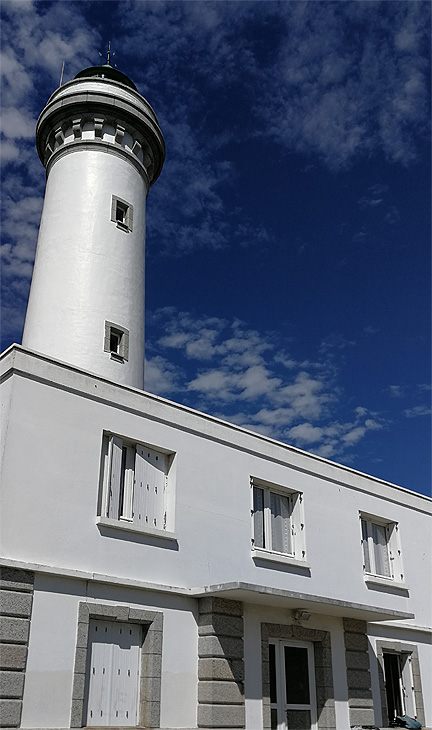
220,664
16,598
360,698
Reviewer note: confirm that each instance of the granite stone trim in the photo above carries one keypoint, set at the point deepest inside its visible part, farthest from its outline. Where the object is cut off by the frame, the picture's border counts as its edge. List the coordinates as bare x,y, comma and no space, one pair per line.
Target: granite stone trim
16,598
151,659
321,641
398,647
220,664
360,699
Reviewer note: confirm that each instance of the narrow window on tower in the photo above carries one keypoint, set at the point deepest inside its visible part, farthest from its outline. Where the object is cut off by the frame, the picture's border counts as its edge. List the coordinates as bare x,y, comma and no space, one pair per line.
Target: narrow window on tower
116,341
121,213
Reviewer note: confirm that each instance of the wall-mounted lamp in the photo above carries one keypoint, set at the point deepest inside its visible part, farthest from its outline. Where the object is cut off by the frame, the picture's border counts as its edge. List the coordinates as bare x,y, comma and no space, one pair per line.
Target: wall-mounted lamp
302,615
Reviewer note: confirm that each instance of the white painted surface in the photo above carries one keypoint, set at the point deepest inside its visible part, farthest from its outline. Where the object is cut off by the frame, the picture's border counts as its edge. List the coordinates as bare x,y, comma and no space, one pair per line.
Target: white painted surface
87,270
212,509
422,640
50,662
59,484
108,88
253,617
50,665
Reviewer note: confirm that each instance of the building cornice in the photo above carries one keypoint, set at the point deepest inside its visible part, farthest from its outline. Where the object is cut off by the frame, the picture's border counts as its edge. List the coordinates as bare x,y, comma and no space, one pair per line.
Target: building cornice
17,360
233,590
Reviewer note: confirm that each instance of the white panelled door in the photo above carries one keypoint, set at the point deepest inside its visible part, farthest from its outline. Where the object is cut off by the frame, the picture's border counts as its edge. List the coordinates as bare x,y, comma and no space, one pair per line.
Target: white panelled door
113,673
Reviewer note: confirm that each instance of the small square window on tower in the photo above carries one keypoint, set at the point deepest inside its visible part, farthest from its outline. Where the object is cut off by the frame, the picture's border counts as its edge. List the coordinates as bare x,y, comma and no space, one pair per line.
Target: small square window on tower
116,341
122,213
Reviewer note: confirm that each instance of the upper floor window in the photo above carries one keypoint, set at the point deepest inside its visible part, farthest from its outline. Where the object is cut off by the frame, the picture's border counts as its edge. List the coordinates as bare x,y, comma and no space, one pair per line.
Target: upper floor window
116,341
278,523
136,485
122,213
381,548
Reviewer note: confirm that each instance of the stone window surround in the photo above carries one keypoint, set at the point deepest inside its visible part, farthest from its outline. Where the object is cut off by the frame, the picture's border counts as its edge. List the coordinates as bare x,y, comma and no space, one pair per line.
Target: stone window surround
117,202
398,647
151,658
123,354
322,663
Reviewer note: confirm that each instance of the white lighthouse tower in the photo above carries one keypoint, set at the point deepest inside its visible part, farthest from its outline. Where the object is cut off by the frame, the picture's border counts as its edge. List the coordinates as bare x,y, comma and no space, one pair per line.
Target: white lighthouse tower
102,147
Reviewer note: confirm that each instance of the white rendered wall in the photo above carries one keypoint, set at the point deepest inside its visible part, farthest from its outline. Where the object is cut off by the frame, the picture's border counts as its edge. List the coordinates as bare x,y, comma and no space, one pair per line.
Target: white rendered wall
420,640
51,654
254,616
55,489
88,270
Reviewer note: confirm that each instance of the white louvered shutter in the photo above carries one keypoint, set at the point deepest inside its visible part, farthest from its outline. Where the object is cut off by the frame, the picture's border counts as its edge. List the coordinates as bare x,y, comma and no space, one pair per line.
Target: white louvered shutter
115,467
280,522
149,491
382,563
365,545
258,517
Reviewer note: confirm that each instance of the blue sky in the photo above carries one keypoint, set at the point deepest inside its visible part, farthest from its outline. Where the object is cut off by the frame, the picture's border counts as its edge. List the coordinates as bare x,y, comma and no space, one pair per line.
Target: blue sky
288,237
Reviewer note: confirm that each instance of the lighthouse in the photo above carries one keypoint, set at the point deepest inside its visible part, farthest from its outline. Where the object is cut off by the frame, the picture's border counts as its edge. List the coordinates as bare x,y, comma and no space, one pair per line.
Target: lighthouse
102,148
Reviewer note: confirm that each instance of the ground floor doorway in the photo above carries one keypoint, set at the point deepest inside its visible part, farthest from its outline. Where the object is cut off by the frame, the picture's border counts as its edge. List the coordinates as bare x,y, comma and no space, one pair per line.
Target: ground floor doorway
113,664
292,685
399,687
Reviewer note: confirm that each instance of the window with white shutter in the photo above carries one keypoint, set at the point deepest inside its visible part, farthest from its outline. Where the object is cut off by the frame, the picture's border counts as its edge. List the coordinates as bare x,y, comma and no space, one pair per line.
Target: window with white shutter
381,548
277,521
136,485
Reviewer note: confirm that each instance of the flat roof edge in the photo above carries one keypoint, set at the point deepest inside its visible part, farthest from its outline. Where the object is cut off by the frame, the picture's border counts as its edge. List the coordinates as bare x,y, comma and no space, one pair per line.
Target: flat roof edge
16,350
254,590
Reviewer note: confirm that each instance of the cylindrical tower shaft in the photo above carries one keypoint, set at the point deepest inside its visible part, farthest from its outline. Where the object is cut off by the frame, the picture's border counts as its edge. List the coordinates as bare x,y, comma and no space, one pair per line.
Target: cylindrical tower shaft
102,147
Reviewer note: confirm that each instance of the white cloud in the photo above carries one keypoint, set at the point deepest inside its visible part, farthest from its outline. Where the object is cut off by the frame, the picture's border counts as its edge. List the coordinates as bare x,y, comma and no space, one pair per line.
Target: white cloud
226,365
160,376
397,391
339,100
416,411
306,433
15,124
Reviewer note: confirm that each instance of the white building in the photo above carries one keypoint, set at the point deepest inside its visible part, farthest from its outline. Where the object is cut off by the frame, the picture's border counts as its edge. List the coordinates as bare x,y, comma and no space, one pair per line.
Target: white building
162,568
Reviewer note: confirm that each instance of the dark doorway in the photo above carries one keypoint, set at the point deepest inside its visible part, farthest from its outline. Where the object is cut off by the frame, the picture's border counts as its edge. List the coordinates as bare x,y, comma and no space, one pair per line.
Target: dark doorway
393,685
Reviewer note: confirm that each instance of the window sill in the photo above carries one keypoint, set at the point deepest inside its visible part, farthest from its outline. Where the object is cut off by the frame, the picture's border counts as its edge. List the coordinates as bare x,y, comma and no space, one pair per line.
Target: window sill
116,357
123,226
130,527
279,558
381,581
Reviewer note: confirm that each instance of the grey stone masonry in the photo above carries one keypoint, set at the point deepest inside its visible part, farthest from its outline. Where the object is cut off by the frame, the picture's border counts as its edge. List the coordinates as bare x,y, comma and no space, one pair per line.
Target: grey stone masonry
220,664
360,698
16,596
321,641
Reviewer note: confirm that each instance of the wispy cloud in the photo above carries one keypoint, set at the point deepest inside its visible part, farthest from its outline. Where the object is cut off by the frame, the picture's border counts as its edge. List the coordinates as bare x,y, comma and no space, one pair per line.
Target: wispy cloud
420,410
418,397
340,101
250,379
309,90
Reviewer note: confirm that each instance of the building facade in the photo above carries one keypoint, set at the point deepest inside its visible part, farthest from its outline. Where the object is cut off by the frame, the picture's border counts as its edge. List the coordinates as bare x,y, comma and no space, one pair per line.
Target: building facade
162,568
